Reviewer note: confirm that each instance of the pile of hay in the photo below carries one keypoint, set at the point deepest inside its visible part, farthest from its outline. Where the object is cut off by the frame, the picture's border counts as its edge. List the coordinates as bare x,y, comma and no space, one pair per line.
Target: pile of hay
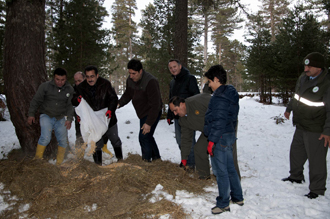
81,189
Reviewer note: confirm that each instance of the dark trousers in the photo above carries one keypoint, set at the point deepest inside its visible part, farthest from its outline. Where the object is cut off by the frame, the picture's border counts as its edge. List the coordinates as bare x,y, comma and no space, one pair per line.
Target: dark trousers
148,144
306,145
112,135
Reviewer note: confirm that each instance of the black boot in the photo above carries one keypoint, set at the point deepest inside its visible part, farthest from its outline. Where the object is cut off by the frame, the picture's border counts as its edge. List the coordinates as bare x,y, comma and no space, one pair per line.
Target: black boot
98,157
118,153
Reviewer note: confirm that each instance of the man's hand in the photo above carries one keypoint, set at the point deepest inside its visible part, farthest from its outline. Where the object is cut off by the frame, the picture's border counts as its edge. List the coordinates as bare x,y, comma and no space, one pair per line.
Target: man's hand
79,98
326,140
287,115
108,114
68,125
169,121
145,128
31,120
210,148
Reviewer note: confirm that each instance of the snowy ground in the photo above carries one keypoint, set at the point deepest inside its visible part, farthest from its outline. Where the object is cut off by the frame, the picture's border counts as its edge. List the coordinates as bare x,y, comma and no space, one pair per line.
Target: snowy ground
263,154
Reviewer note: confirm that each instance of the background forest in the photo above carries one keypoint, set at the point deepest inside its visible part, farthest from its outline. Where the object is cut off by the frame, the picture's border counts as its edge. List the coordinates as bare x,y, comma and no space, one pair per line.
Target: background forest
278,38
38,36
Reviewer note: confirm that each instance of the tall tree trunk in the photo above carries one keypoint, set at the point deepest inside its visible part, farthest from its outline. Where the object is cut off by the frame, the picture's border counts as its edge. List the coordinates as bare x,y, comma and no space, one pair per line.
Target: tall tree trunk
130,37
206,31
24,65
181,31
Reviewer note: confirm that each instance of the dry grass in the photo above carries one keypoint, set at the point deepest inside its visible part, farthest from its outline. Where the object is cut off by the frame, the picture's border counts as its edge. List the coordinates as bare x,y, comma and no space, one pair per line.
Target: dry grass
120,190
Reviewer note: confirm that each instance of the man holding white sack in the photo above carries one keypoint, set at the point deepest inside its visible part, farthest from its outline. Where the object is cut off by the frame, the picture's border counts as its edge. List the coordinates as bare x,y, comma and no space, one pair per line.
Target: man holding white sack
99,95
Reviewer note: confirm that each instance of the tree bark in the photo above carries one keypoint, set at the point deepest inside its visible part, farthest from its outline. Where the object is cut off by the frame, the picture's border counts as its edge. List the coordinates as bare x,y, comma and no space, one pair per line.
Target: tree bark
24,66
181,31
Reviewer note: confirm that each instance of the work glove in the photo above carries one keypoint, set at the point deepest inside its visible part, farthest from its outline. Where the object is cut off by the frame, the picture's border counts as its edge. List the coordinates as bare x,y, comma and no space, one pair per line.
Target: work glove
184,162
108,114
79,98
78,118
169,121
210,148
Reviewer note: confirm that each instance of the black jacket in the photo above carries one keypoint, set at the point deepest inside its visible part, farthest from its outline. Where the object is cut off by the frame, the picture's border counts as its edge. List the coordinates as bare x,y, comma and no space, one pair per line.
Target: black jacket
183,85
100,96
305,115
145,96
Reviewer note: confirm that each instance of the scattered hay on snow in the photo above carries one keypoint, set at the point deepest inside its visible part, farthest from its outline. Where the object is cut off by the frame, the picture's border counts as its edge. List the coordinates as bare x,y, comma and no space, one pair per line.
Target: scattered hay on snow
81,189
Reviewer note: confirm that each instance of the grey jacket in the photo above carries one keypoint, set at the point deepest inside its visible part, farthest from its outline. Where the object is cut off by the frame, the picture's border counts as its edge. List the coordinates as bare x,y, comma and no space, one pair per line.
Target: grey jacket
196,106
53,101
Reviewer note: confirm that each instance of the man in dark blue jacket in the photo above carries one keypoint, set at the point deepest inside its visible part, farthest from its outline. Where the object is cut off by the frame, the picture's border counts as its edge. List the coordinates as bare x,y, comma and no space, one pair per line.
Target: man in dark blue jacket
220,124
183,85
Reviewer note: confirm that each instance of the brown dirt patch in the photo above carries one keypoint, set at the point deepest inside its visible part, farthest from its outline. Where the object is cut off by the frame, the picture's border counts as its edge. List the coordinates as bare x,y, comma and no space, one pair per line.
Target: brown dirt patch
81,189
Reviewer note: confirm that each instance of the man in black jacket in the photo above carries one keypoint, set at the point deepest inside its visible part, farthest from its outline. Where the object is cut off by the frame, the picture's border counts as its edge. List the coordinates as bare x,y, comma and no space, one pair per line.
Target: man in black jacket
311,116
183,85
142,88
99,94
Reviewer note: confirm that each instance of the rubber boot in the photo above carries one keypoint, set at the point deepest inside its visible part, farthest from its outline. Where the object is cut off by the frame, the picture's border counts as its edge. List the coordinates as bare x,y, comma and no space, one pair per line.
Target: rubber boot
40,151
118,153
60,155
98,157
105,150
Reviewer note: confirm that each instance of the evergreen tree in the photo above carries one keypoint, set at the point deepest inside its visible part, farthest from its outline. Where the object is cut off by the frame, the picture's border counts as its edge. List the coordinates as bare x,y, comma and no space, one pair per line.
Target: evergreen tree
259,55
124,34
2,33
24,66
299,35
273,12
232,60
156,45
181,31
78,39
225,22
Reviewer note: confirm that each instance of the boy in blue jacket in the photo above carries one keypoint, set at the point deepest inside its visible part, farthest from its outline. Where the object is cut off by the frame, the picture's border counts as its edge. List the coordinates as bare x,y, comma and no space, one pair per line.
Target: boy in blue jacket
220,123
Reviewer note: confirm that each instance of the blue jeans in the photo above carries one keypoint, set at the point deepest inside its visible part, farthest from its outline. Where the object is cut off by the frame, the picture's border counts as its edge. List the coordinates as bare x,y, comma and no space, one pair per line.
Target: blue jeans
229,185
191,157
148,144
47,125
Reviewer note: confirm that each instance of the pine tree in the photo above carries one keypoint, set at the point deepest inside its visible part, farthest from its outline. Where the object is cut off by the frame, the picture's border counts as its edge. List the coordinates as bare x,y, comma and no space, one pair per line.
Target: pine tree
77,36
24,65
299,35
273,12
156,45
124,34
259,54
225,22
181,31
2,33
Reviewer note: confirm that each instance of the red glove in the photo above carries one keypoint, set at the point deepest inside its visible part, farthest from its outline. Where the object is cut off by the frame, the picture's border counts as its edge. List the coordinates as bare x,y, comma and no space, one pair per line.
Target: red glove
210,148
184,162
78,118
169,121
79,98
108,114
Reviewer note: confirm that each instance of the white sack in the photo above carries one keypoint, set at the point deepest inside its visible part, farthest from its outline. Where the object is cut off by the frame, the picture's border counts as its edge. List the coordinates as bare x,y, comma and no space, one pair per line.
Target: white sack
93,124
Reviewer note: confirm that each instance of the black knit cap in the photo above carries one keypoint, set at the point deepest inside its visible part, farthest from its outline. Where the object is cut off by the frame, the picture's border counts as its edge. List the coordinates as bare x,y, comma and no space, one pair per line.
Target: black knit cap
314,59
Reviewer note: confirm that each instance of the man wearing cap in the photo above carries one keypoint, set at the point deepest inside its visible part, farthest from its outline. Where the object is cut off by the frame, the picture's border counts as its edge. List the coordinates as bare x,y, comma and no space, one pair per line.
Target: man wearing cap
311,116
